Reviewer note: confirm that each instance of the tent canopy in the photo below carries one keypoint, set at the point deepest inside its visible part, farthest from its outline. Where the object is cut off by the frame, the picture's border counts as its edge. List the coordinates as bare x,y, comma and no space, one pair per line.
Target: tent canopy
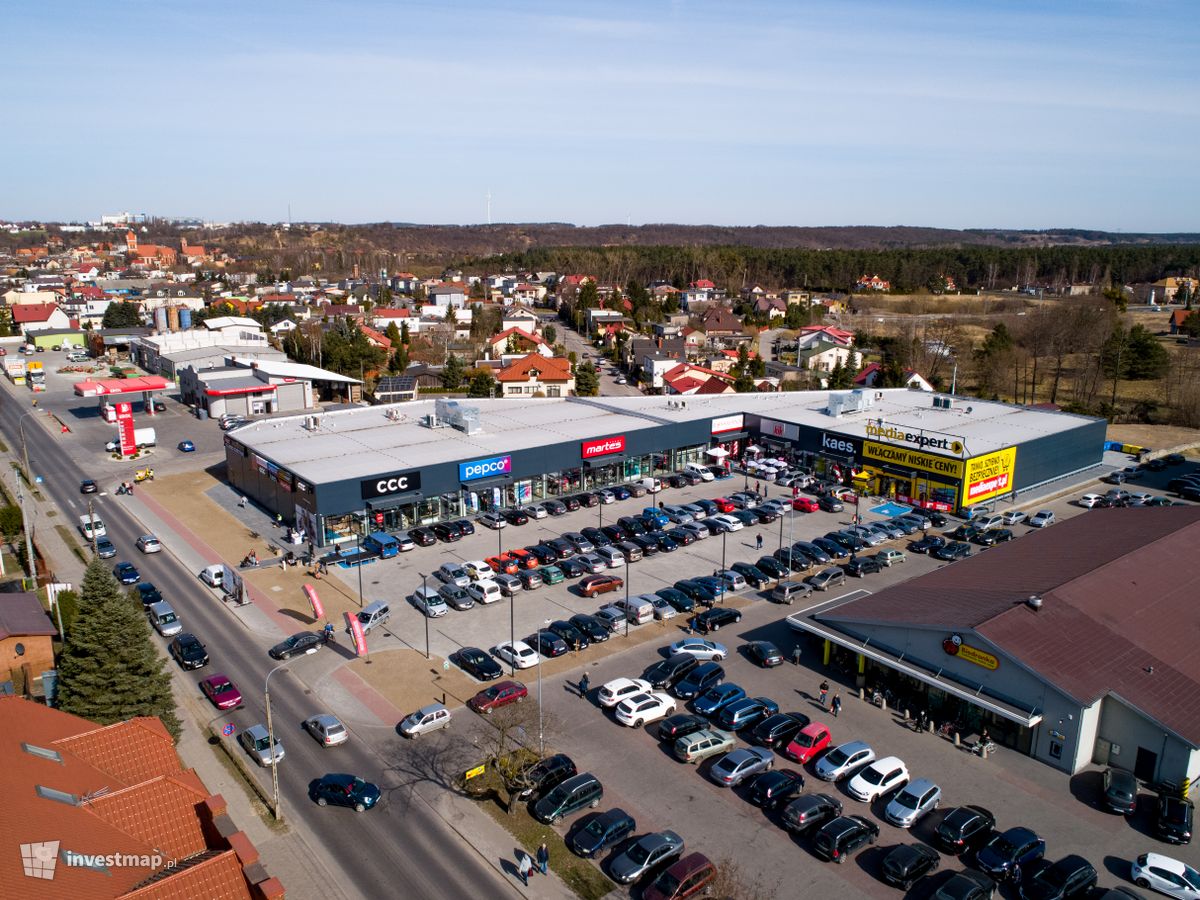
717,452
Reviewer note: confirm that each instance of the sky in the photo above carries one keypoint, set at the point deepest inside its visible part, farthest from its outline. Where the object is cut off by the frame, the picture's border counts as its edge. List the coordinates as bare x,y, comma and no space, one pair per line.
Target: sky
949,113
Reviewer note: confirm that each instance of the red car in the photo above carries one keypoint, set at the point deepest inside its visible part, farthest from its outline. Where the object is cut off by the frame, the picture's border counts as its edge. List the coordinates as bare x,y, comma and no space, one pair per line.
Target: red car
810,742
600,584
503,564
500,694
221,691
724,505
523,558
805,504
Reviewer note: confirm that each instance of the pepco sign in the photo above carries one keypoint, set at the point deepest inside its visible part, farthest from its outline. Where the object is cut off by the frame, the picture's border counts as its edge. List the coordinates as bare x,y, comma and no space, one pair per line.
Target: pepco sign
395,483
482,468
602,447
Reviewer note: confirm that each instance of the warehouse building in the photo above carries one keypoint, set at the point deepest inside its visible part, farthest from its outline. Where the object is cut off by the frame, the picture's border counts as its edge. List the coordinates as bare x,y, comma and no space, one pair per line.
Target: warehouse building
334,474
1075,644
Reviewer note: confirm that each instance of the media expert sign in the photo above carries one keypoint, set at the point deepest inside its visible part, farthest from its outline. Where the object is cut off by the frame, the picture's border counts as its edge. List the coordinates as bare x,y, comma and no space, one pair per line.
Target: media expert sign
727,423
912,459
395,483
991,475
482,468
922,439
602,447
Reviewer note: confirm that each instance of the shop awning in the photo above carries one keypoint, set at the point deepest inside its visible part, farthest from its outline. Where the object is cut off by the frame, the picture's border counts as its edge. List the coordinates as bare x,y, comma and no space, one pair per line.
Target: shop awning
717,452
604,461
486,484
393,501
803,622
728,436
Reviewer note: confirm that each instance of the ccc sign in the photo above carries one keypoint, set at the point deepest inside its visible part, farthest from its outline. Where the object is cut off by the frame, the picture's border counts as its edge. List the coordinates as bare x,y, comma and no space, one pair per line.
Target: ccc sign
395,483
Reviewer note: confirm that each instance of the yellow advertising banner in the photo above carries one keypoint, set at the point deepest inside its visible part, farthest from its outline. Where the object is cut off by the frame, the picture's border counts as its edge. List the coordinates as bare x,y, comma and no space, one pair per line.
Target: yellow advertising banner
474,773
977,656
912,459
990,475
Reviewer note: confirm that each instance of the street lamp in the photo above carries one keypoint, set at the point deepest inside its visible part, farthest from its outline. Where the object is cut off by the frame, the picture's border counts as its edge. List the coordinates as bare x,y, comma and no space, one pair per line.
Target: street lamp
24,447
28,530
541,730
425,601
359,564
626,596
271,744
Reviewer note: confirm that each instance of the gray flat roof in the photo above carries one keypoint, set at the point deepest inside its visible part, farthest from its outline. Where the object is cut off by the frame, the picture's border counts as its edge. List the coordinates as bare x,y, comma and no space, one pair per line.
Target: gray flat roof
363,441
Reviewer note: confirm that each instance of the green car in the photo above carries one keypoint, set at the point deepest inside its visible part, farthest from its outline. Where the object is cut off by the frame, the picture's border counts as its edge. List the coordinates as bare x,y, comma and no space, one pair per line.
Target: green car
551,574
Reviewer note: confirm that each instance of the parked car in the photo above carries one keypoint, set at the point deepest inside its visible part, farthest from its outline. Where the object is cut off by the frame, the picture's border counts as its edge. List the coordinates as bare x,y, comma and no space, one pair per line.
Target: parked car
429,718
344,790
475,662
600,584
679,725
1173,817
994,536
717,698
810,811
597,632
713,619
666,672
967,885
639,709
700,745
600,831
878,779
700,648
500,694
917,798
1120,791
928,544
126,573
906,864
769,566
447,532
891,557
221,692
808,743
859,566
952,551
827,578
746,712
764,653
491,520
619,689
698,680
1165,875
738,765
1007,851
546,774
844,759
648,853
326,729
518,654
773,789
188,651
548,644
1070,878
840,838
966,828
574,637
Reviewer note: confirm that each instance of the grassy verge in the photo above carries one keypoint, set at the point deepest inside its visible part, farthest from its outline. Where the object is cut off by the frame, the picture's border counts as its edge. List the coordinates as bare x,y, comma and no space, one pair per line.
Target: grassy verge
579,875
69,539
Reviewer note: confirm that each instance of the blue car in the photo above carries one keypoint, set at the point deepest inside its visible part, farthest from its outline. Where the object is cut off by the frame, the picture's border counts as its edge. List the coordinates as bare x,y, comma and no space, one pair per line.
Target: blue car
744,713
187,447
717,698
601,831
1005,853
126,573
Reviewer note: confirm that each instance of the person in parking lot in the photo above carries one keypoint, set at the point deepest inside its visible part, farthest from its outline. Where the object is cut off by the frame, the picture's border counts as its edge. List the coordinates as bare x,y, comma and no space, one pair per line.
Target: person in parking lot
824,689
583,683
758,541
836,706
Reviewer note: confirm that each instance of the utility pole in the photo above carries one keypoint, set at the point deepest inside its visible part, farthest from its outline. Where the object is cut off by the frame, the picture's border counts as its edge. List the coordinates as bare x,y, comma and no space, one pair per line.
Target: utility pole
92,519
275,808
28,532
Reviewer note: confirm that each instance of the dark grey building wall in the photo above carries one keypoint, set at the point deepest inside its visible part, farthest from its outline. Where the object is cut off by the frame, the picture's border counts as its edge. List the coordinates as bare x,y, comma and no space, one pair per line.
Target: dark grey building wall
1044,458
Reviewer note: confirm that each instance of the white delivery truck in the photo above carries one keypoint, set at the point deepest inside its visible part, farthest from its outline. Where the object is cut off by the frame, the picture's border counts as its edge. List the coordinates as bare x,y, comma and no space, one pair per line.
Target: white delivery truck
142,437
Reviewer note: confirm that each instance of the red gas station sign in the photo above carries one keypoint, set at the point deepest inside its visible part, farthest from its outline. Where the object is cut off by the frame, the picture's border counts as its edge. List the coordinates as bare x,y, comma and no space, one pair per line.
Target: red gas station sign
125,428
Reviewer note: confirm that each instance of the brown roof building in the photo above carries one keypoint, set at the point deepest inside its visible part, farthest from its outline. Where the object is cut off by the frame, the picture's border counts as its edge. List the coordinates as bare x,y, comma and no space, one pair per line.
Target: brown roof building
96,811
1075,644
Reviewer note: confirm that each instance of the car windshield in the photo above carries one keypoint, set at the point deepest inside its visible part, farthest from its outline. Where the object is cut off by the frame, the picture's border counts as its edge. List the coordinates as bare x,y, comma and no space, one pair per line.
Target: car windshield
596,827
1001,846
639,852
906,800
873,775
837,756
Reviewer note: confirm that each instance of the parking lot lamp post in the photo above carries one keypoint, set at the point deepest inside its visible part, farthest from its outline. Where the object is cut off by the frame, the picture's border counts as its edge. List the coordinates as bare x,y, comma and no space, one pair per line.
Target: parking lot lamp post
541,730
359,565
425,600
791,512
626,596
275,808
724,535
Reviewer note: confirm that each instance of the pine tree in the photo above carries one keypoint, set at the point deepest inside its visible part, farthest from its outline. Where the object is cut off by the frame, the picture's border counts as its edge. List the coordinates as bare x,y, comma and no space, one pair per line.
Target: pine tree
109,671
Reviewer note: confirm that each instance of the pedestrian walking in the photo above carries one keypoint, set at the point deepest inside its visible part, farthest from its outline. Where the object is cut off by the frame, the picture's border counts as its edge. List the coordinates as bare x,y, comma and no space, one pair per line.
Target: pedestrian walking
758,542
824,689
836,705
584,682
796,654
543,858
524,867
242,503
279,519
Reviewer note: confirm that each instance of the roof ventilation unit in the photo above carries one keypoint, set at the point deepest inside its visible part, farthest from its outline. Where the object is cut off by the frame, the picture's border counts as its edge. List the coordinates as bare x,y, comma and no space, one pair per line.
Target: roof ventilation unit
1035,601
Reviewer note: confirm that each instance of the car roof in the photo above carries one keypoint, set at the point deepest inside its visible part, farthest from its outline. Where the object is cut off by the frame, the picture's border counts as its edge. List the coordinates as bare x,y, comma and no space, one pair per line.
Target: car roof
431,708
917,785
1019,834
888,761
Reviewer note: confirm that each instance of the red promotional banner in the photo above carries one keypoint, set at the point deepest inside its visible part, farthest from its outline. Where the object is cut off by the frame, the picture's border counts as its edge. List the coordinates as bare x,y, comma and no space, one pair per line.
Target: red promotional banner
356,630
314,601
125,428
602,447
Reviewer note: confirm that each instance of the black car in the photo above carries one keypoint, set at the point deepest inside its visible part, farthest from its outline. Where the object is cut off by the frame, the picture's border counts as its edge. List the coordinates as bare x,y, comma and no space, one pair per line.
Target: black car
571,503
543,553
562,548
88,486
967,885
555,507
830,503
858,566
809,811
679,601
952,551
1174,459
188,651
344,790
574,636
680,725
993,536
681,536
1009,851
769,565
545,774
832,549
667,672
422,537
297,645
1120,791
713,619
588,499
777,730
447,532
572,568
475,662
795,561
1173,818
465,526
753,574
963,532
600,831
666,543
548,644
597,536
596,631
1069,878
965,828
647,542
764,516
848,540
632,525
675,481
764,653
770,790
906,864
699,680
696,591
514,517
838,839
928,544
615,533
148,594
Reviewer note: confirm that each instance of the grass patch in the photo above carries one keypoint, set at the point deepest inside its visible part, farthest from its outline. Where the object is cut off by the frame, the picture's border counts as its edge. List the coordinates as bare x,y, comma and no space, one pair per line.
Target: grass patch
3,447
69,539
221,752
579,875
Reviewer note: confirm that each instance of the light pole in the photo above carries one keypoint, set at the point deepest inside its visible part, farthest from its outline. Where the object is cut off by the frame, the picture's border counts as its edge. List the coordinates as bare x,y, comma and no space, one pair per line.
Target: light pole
275,810
359,564
541,730
626,596
425,603
28,531
24,446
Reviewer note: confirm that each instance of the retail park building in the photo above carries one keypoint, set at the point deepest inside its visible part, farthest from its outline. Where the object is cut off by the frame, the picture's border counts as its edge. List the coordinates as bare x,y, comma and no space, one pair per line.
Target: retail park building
338,473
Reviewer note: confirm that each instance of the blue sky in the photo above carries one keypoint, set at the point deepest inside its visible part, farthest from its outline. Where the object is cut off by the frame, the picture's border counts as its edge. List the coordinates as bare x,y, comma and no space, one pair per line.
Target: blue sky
956,114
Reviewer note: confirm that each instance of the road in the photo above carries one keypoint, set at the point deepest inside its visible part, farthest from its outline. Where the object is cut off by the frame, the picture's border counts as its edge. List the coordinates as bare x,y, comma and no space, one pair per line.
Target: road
573,340
403,837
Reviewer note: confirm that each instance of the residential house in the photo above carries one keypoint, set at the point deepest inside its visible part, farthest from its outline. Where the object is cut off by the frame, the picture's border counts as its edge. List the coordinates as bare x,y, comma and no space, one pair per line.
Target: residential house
686,378
404,282
1178,317
282,327
722,327
527,293
872,283
656,365
26,641
870,375
29,297
39,316
771,307
694,340
824,355
537,375
448,295
793,297
638,348
811,334
1165,289
376,338
522,318
521,341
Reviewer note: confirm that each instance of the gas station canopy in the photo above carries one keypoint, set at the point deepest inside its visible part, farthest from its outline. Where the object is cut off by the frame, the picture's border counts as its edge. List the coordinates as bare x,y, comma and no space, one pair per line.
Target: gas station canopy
118,386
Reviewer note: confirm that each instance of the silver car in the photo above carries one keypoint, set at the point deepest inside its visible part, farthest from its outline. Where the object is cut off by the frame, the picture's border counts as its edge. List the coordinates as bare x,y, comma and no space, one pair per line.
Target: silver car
844,759
510,585
256,741
1041,519
452,573
914,800
735,767
328,730
694,528
428,718
827,578
651,851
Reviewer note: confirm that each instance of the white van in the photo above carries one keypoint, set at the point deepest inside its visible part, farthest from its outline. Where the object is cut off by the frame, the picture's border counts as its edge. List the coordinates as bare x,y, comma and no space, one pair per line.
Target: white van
91,526
484,591
699,471
638,610
653,485
214,575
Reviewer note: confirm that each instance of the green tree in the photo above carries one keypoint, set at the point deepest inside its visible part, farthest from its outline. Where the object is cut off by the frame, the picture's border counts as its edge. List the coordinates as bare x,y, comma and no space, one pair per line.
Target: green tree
550,334
122,315
451,315
393,334
385,295
1134,355
68,609
588,296
109,670
482,384
5,322
587,381
1191,325
453,373
744,383
405,337
10,522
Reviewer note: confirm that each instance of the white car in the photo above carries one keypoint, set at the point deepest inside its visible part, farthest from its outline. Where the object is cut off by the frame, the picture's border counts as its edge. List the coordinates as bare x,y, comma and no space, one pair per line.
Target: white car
536,511
728,522
620,689
695,528
518,654
478,569
327,730
662,609
843,759
639,709
148,543
1013,517
485,590
881,777
1041,519
699,648
1087,501
495,521
1166,875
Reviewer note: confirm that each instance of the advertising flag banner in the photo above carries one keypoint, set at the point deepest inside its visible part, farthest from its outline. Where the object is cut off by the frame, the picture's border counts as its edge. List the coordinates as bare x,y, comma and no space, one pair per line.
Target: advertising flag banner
356,631
125,428
318,610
